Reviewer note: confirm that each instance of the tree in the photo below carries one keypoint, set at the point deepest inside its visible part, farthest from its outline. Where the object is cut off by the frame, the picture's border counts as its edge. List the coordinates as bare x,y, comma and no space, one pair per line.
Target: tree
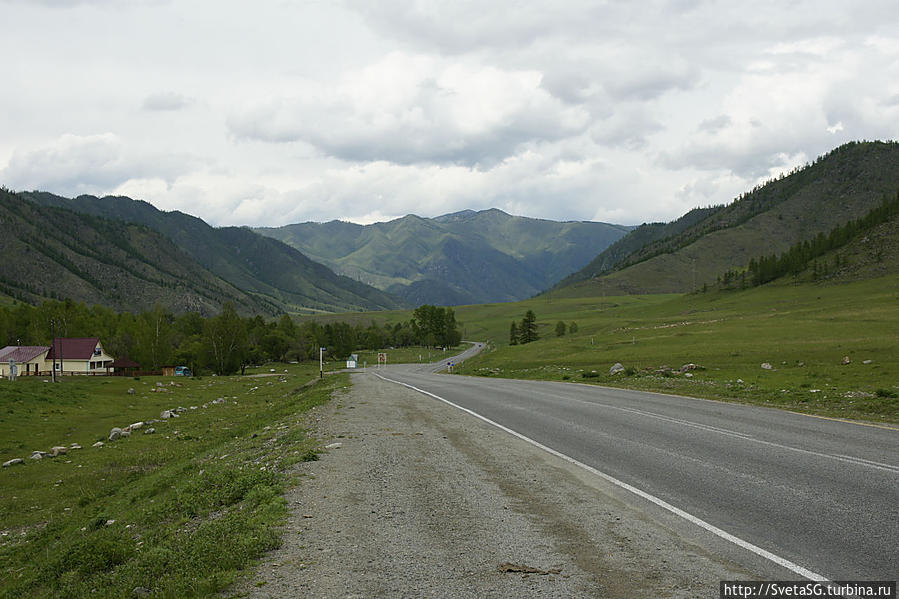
528,329
513,334
226,340
433,325
572,328
275,346
560,328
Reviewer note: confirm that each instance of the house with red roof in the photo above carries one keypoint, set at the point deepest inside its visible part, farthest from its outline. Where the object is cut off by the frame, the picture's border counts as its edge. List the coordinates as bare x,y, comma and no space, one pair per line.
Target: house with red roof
80,355
29,359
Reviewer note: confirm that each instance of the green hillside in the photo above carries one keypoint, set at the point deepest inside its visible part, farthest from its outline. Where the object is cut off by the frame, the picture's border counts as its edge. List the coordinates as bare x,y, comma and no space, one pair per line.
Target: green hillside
461,258
57,253
277,274
842,185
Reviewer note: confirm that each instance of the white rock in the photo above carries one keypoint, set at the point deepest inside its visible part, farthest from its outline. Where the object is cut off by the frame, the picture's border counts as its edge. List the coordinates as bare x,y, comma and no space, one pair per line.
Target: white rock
334,446
58,450
616,368
13,462
136,426
767,366
115,433
98,444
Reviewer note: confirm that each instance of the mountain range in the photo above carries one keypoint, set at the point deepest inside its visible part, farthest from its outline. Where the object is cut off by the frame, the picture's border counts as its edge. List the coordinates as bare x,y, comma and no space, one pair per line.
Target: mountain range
79,239
128,255
466,257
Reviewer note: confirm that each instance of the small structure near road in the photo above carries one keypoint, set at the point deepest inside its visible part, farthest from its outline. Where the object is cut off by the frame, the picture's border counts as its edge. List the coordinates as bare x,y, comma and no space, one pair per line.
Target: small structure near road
79,355
28,359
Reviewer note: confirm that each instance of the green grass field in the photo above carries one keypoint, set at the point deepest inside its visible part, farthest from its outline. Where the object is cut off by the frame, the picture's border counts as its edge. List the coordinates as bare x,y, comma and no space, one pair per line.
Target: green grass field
802,331
181,512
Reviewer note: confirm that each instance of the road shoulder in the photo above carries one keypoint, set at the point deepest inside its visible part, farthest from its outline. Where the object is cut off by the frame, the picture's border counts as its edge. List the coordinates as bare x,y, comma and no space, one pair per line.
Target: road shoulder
422,500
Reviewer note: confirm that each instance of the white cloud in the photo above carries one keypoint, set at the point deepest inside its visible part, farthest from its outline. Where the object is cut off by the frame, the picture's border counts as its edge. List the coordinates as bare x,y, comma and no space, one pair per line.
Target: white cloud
415,109
166,101
73,164
280,112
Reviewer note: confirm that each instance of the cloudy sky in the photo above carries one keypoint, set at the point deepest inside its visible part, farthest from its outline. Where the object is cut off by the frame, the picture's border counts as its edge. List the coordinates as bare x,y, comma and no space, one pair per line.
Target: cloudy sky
278,111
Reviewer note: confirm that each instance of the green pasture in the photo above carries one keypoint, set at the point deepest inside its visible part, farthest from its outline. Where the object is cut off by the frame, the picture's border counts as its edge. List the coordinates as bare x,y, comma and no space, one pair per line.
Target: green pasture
803,331
179,513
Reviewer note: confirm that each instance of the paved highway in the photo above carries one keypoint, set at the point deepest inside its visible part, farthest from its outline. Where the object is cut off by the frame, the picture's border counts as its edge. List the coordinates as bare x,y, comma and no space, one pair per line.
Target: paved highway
822,495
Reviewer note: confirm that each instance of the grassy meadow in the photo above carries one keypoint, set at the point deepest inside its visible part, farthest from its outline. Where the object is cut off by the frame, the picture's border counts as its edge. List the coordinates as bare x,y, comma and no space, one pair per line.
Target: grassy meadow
177,513
802,331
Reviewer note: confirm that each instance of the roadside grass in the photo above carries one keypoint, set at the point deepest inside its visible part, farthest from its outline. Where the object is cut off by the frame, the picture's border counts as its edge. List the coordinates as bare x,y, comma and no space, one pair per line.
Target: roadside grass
179,513
802,331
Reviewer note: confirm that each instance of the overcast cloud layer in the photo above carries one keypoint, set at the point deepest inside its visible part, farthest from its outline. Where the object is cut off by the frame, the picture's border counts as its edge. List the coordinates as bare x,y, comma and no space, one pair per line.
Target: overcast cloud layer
281,111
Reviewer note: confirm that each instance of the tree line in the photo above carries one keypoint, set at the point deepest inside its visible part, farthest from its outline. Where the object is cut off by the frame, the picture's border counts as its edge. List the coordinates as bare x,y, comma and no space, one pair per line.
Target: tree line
803,254
225,343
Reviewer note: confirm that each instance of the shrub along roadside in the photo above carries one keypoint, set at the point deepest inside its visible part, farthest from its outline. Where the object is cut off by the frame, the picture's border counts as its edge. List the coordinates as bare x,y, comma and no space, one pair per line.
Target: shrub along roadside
176,514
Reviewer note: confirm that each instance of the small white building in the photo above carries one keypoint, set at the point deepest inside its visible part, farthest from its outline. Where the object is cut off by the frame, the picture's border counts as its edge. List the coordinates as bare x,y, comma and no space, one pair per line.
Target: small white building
82,355
29,359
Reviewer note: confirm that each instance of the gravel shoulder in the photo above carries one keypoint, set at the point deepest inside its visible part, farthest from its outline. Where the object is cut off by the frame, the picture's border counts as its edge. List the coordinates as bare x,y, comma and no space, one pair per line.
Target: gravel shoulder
422,500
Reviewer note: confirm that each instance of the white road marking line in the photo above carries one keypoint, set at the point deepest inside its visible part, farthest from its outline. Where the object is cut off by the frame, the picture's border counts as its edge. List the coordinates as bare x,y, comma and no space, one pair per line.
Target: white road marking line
722,431
795,568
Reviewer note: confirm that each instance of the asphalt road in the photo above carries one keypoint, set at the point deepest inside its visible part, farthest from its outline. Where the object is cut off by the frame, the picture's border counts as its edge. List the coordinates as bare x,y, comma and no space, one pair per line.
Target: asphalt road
820,493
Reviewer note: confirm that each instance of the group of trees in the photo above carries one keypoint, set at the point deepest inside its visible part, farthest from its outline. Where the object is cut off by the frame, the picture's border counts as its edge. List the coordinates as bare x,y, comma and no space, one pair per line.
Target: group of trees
224,343
805,253
561,328
524,332
435,326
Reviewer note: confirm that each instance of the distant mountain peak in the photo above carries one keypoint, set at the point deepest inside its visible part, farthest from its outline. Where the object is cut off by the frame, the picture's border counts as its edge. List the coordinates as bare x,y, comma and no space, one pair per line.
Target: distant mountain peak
467,256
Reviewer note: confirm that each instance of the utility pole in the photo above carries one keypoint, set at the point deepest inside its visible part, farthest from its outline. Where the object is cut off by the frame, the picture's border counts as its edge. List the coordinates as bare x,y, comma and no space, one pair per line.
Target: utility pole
53,342
321,361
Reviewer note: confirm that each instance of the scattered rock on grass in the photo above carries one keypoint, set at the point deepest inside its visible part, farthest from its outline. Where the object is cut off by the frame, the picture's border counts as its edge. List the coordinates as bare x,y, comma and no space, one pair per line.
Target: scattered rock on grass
98,444
58,450
846,360
616,368
767,366
13,462
115,433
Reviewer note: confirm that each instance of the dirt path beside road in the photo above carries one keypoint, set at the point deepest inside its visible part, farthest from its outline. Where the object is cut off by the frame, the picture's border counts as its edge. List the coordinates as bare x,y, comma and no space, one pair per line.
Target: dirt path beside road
422,500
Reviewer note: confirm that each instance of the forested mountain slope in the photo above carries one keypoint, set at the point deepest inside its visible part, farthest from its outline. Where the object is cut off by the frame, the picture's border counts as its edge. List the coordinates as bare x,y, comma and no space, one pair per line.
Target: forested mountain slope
464,257
276,273
842,185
